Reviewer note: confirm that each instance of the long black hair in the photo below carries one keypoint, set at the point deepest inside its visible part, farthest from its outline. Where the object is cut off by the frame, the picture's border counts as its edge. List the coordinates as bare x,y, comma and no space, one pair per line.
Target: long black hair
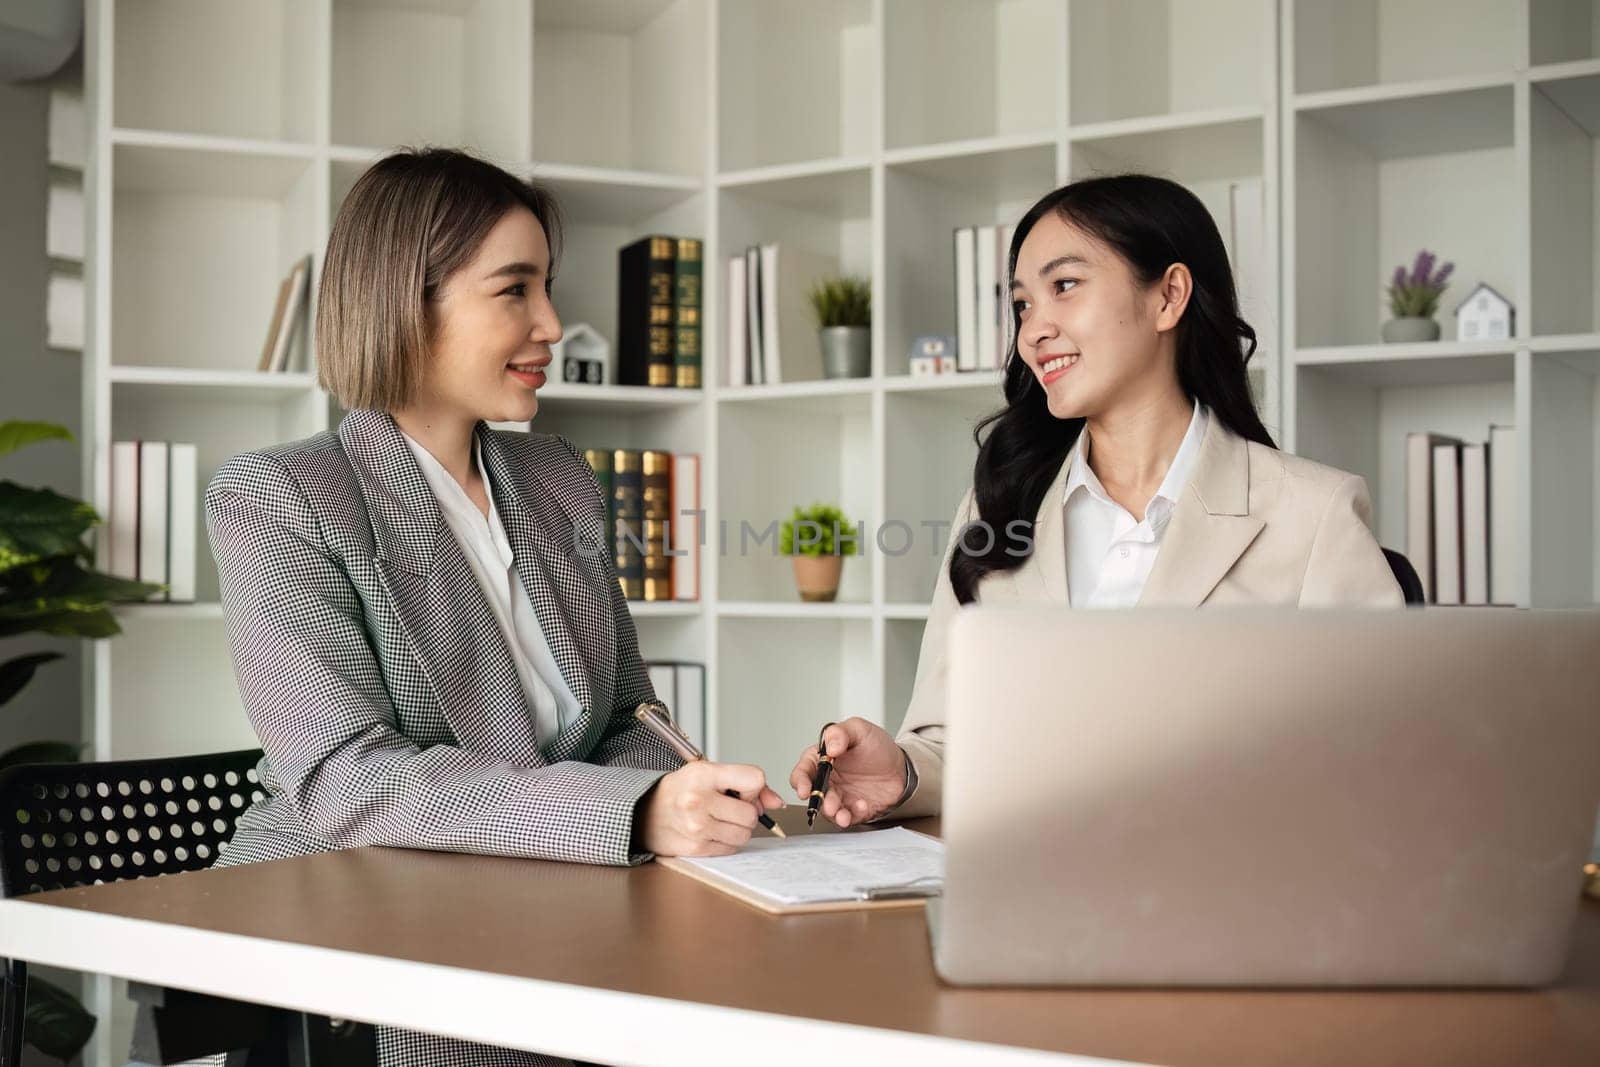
1151,223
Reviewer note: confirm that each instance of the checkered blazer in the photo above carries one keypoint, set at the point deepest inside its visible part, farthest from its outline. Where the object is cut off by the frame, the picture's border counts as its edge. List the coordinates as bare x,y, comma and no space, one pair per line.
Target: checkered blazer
377,678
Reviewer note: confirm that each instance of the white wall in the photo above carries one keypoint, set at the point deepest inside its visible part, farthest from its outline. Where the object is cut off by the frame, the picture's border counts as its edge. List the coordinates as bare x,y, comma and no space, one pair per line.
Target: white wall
37,385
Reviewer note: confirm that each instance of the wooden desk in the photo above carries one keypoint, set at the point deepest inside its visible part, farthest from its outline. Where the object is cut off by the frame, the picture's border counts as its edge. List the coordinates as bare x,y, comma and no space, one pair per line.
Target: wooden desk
648,966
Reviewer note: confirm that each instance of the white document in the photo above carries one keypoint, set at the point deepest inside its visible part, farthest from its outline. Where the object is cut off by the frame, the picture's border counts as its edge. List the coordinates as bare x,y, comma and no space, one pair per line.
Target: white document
811,870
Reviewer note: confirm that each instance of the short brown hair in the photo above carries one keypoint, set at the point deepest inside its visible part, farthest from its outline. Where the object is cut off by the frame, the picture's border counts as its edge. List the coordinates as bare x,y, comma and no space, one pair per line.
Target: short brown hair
411,220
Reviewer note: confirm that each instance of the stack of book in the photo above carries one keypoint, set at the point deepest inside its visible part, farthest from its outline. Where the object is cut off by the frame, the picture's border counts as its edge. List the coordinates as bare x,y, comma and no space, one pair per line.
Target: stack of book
772,331
1461,516
983,311
150,529
654,520
288,318
658,312
682,686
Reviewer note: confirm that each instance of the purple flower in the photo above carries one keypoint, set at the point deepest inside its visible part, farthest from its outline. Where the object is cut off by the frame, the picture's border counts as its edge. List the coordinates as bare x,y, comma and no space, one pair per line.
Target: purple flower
1399,276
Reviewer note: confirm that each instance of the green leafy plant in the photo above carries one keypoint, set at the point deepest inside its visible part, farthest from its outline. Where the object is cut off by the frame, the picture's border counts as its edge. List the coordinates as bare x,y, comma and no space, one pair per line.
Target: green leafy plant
820,530
47,587
841,301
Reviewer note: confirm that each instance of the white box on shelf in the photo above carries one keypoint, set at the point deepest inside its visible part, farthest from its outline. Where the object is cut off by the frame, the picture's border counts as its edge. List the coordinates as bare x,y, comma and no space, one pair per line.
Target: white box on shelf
1447,523
966,298
123,522
64,315
64,219
1503,511
1474,523
988,306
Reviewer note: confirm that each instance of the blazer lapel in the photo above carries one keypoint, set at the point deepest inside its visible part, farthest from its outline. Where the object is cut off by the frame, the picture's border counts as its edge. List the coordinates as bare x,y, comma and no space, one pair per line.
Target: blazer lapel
543,527
1050,539
436,597
1211,526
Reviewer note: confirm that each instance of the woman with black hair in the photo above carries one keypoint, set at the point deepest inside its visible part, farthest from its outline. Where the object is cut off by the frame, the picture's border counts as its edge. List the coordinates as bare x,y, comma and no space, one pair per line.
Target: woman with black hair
1127,467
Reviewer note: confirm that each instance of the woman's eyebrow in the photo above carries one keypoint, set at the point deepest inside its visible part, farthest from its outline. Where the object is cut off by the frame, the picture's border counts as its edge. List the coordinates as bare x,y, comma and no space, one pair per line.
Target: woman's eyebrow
1059,261
513,269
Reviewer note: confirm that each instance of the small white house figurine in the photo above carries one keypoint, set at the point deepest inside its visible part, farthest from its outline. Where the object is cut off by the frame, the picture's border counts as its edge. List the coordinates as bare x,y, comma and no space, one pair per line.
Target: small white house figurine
1485,315
582,355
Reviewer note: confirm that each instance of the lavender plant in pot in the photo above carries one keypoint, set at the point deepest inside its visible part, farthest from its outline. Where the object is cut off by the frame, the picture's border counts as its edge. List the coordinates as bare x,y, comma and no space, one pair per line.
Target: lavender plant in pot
1414,300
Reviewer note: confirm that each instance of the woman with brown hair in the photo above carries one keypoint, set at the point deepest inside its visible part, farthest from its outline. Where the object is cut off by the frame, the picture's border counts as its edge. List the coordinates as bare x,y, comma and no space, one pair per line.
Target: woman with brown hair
427,632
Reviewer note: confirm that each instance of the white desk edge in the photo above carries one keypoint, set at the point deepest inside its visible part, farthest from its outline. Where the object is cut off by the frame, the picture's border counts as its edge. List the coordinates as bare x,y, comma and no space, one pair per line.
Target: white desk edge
496,1009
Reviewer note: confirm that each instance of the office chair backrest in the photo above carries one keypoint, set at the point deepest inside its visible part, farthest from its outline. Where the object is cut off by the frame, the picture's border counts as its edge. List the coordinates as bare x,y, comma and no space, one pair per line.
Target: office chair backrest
69,824
1406,575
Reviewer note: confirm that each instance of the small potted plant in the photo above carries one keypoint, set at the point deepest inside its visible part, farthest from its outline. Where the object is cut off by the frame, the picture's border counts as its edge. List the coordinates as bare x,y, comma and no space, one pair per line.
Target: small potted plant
1414,299
843,306
817,539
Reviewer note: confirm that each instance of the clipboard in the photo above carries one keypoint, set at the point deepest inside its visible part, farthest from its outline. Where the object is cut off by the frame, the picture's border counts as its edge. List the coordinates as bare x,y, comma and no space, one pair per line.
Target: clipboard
770,906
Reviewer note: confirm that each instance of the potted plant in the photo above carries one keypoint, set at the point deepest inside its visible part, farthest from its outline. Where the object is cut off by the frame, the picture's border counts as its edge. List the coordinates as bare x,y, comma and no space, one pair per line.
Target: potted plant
843,306
45,587
1414,299
817,539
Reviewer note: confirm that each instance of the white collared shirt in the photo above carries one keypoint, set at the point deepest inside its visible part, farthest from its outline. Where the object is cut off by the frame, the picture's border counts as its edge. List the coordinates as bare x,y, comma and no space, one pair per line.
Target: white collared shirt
483,541
1109,553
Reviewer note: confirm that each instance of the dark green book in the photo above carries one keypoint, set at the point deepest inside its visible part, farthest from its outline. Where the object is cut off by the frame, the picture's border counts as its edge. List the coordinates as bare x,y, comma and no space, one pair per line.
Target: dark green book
686,332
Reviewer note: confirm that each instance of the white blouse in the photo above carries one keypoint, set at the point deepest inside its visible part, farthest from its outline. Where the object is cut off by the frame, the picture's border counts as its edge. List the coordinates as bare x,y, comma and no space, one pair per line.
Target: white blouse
483,541
1109,553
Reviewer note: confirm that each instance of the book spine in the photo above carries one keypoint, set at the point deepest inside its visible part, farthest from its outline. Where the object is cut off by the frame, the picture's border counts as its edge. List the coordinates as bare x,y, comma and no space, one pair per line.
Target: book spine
686,350
1502,515
627,497
1474,524
182,490
599,461
1447,523
988,297
153,514
646,309
738,351
656,496
123,522
686,526
966,299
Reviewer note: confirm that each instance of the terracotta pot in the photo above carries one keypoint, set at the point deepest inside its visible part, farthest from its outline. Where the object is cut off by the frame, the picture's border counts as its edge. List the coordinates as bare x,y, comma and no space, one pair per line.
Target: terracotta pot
817,577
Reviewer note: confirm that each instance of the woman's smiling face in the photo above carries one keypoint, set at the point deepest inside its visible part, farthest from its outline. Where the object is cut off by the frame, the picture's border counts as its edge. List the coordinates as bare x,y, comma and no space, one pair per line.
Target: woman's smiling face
1089,331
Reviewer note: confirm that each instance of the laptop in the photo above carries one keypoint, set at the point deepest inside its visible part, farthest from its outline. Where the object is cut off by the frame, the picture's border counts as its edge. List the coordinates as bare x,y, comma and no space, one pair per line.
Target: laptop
1265,797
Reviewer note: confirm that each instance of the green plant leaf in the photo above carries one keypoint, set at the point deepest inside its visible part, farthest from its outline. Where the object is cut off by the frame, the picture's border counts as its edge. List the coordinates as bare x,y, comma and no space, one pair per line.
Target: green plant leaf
60,596
36,524
41,752
820,530
18,672
55,1023
17,434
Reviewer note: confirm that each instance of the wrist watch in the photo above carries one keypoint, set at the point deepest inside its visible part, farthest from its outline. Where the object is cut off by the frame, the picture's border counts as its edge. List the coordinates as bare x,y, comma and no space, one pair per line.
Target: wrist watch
911,778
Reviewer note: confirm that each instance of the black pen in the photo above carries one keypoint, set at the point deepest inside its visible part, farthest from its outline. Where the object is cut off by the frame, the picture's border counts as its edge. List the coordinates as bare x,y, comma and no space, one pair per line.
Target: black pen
654,718
819,785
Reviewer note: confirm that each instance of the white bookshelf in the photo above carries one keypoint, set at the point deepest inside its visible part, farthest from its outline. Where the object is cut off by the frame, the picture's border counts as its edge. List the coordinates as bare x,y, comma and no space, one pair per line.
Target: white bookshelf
225,134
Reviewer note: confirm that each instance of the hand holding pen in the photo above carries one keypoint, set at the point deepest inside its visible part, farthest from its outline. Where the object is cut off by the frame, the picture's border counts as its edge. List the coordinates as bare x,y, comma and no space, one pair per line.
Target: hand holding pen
703,808
864,774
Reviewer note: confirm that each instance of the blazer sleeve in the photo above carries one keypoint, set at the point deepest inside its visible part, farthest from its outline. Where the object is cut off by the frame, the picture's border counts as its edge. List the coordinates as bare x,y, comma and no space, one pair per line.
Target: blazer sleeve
313,689
625,743
922,733
1346,566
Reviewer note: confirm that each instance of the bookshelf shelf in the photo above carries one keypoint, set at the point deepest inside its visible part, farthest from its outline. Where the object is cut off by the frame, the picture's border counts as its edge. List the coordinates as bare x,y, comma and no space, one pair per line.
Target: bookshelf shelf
1161,124
260,65
454,72
837,396
1126,64
1381,42
800,101
793,609
987,382
170,612
621,85
782,678
1563,31
224,138
1564,170
958,70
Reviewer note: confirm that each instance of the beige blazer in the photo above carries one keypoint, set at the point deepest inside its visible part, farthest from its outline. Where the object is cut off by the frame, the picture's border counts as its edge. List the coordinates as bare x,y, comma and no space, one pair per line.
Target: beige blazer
1255,526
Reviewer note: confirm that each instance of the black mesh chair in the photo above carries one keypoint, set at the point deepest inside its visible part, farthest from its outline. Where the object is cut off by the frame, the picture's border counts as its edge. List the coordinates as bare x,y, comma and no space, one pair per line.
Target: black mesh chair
73,824
1406,575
